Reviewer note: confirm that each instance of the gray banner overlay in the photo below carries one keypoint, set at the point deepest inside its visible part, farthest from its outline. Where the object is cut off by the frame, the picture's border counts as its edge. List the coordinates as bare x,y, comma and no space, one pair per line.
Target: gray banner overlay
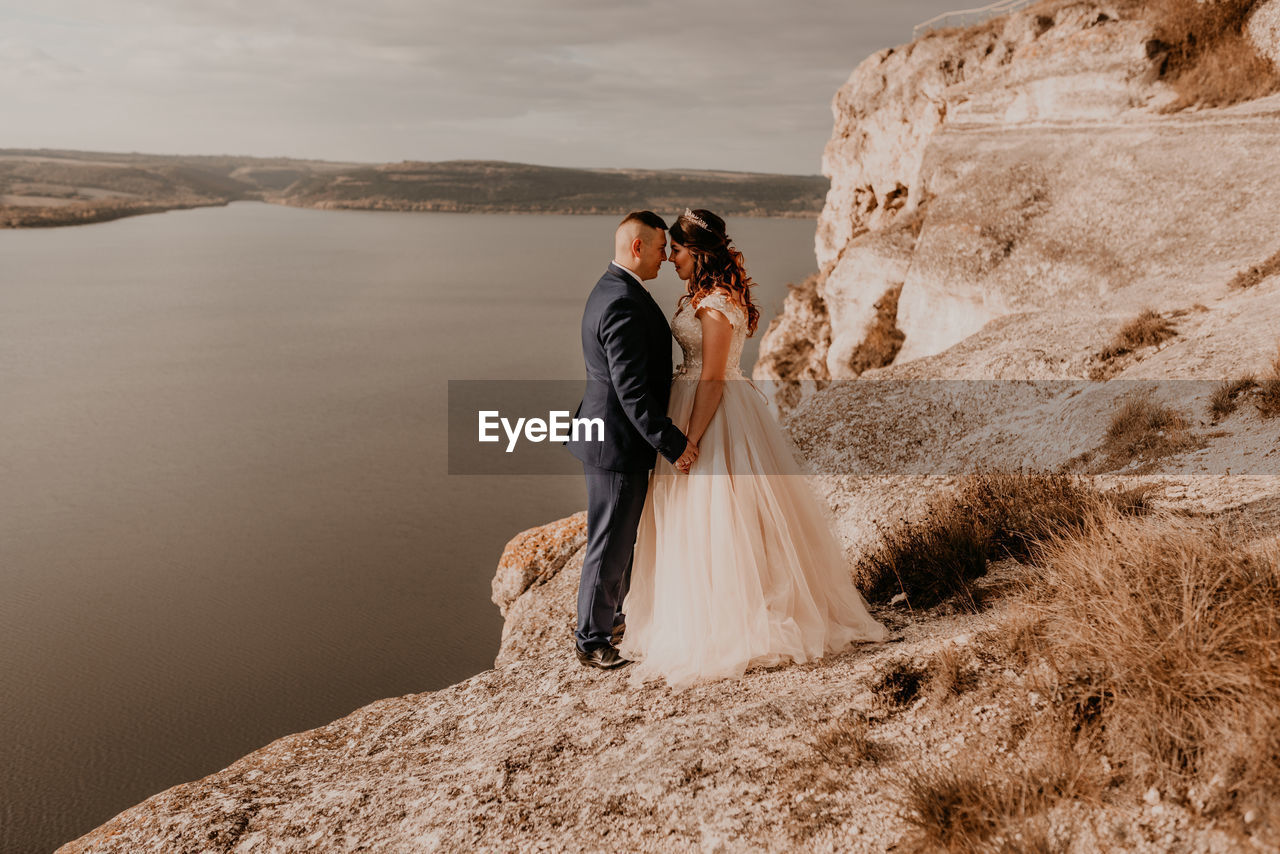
918,427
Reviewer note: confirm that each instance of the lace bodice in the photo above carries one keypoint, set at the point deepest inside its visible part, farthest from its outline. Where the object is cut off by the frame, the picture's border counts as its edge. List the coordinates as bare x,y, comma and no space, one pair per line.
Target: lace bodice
687,329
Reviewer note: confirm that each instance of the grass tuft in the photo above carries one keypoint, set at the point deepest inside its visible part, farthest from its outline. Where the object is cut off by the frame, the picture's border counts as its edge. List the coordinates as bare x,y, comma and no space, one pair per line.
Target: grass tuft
1268,395
898,686
1132,500
1148,329
1207,56
847,741
992,515
971,804
948,673
1166,633
1257,273
1143,428
1224,401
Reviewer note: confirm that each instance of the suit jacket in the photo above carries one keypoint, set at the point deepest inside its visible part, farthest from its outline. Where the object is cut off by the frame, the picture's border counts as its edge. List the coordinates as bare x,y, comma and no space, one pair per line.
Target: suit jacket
626,344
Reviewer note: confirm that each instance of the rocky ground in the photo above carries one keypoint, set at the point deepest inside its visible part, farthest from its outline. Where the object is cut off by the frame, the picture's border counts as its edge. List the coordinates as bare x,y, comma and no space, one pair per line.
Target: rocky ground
542,754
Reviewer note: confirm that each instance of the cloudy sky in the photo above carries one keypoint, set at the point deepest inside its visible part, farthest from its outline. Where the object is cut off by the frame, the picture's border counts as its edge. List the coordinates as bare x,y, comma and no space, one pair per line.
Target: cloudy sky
648,83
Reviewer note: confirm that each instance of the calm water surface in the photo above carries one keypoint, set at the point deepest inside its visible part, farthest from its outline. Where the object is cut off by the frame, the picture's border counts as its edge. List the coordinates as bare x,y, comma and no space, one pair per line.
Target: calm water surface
224,508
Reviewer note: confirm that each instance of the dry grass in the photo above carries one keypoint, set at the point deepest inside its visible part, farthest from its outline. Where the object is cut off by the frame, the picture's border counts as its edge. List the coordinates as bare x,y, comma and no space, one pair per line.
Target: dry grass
842,745
949,675
883,339
1156,642
975,805
1148,329
847,741
898,686
1167,631
1207,57
1256,274
1268,394
1019,639
946,676
1132,500
1196,308
1224,401
1144,429
992,515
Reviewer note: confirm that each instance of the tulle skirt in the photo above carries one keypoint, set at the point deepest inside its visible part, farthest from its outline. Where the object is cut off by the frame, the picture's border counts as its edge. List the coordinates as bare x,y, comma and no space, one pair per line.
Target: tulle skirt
736,564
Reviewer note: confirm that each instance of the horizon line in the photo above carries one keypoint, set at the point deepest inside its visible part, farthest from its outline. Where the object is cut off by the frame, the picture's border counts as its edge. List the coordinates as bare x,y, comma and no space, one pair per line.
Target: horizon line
21,150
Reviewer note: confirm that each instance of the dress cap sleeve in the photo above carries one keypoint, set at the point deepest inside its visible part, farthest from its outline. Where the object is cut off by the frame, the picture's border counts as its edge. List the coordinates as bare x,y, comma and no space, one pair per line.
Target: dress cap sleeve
721,303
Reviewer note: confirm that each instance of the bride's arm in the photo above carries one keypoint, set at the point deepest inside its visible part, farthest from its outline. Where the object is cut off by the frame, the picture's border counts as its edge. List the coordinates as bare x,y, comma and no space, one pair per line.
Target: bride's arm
717,335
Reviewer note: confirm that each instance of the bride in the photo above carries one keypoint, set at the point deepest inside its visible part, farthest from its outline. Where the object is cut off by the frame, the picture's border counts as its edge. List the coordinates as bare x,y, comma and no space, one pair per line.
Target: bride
735,564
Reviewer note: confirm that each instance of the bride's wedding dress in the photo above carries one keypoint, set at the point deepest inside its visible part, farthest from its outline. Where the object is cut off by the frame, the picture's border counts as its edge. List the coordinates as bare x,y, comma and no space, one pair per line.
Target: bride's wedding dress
735,562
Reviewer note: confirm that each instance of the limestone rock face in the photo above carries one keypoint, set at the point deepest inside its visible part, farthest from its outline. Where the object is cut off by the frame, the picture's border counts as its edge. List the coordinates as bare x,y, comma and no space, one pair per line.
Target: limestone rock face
534,556
1264,30
793,350
1087,218
1082,62
1030,155
541,620
870,266
1026,77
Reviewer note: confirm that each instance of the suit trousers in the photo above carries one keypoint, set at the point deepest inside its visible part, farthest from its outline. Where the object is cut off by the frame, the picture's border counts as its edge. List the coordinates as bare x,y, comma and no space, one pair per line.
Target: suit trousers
615,500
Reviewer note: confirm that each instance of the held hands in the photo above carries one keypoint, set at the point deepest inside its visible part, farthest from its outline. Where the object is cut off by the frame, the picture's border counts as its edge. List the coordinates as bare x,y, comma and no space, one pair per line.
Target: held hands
687,458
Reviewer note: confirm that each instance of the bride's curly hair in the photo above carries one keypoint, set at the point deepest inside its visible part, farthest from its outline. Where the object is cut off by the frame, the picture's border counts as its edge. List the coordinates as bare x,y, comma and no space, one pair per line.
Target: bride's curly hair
716,263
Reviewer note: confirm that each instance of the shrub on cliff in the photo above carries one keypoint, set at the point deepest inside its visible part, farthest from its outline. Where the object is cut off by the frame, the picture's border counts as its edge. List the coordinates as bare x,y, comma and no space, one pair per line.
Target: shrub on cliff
1268,399
1251,276
1143,428
979,802
1168,630
1225,397
1154,644
1207,56
1148,329
991,516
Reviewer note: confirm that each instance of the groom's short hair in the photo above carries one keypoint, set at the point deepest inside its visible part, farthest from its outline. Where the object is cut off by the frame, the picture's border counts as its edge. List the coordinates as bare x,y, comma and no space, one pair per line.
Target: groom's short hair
649,218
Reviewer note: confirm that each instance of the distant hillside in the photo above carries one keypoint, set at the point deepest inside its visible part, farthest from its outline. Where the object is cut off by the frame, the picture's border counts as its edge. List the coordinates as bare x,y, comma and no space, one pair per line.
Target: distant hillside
50,188
491,186
46,187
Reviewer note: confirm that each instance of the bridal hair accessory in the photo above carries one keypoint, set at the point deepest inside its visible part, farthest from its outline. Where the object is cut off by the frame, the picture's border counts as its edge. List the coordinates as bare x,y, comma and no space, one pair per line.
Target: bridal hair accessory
697,220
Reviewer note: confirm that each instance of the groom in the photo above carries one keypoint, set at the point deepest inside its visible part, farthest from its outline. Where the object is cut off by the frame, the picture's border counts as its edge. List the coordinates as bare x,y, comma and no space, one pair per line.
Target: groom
626,344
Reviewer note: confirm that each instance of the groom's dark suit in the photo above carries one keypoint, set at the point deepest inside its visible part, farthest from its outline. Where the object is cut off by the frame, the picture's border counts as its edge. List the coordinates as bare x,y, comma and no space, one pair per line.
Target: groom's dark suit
626,344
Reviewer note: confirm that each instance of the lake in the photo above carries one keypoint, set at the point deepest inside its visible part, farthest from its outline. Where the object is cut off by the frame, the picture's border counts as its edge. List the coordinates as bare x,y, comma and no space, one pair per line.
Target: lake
223,475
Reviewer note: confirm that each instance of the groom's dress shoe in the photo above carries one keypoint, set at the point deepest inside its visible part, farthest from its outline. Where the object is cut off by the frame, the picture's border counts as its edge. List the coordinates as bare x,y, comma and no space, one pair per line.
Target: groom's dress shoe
618,631
603,657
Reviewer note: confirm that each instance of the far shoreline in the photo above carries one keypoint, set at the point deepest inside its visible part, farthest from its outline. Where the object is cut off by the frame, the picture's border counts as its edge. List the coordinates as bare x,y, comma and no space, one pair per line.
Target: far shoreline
41,188
24,217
